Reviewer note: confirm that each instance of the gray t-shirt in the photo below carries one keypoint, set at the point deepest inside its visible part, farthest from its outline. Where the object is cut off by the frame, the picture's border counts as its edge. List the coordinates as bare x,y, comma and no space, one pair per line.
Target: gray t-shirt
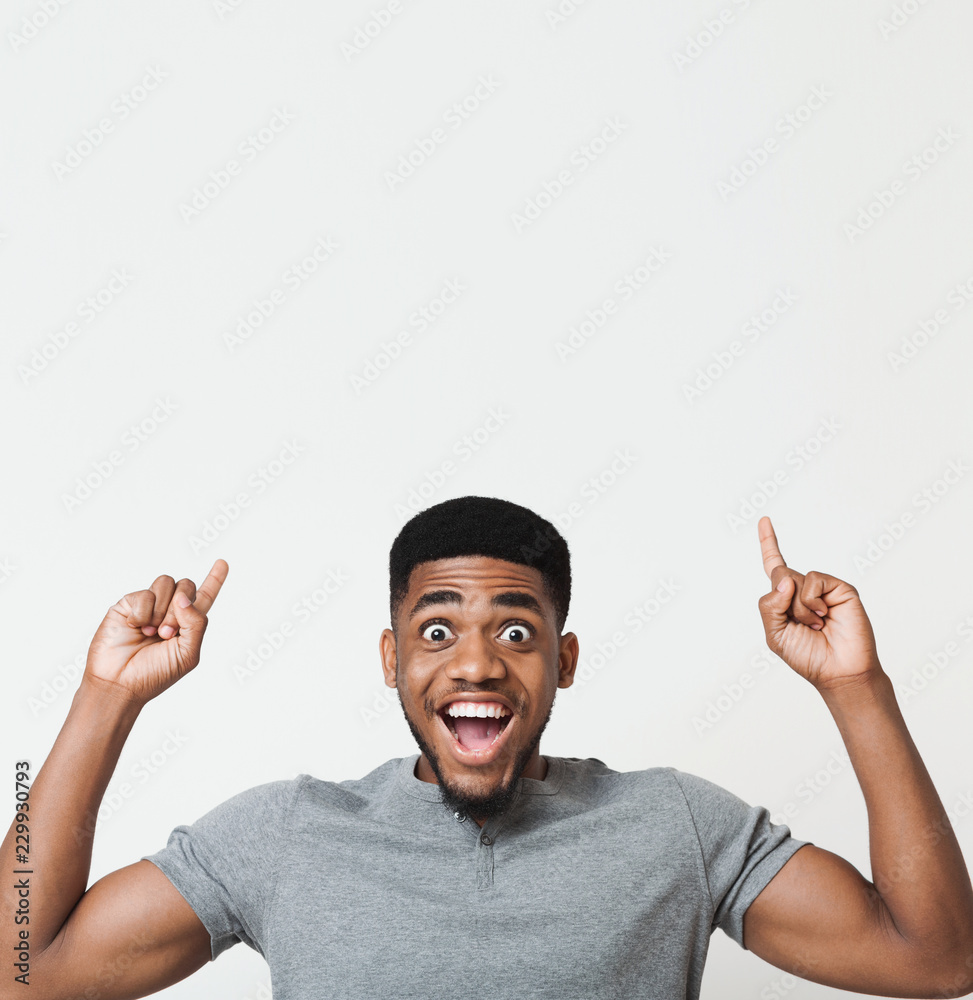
594,883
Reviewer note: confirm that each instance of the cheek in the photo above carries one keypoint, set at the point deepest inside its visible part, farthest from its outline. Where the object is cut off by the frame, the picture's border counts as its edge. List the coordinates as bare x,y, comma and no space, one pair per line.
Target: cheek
414,680
539,680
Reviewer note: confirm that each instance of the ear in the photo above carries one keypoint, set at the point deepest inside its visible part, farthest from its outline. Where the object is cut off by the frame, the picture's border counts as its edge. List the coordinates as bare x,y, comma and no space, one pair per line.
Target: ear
567,660
386,649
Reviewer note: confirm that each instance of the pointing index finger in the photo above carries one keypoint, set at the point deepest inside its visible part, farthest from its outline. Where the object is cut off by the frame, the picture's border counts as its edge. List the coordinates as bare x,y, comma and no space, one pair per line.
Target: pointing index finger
768,547
210,587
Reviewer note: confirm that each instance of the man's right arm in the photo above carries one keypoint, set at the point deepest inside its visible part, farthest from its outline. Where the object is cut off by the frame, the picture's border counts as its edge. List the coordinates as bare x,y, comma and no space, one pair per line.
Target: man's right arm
132,933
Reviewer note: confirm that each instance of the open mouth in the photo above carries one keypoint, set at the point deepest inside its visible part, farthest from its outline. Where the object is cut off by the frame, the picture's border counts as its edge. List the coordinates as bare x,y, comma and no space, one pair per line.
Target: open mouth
476,726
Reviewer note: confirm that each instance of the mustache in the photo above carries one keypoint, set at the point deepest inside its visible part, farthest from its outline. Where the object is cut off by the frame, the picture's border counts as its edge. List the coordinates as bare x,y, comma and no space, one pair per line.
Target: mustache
430,704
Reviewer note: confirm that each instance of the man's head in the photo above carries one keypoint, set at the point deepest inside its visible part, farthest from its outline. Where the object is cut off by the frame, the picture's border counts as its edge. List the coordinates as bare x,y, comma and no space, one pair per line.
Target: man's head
479,590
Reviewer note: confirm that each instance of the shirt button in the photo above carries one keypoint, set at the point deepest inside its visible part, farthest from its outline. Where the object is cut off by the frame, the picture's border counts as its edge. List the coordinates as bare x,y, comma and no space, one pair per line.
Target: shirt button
486,840
460,817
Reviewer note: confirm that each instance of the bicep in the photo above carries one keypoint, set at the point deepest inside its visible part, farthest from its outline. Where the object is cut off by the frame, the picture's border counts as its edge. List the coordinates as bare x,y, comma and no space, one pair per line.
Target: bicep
821,919
131,934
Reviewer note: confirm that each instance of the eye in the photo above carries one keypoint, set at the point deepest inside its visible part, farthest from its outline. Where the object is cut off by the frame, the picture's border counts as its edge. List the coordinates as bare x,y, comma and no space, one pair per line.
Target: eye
518,632
437,631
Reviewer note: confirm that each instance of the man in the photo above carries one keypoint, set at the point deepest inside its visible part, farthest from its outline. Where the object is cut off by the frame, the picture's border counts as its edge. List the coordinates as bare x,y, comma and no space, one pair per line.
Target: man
542,876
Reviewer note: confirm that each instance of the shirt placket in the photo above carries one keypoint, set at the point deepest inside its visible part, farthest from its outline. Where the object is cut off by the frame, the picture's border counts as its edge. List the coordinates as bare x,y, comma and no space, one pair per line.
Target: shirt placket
484,838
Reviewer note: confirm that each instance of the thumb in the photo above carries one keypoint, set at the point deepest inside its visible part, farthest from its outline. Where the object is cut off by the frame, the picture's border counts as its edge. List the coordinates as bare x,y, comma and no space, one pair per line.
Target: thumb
774,607
192,624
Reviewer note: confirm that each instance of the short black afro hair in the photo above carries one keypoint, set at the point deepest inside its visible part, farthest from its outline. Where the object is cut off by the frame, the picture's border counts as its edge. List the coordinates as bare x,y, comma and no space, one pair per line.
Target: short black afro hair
482,526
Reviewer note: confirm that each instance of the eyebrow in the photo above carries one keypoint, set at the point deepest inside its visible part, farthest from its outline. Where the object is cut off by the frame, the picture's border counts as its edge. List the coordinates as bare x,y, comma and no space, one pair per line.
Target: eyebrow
507,599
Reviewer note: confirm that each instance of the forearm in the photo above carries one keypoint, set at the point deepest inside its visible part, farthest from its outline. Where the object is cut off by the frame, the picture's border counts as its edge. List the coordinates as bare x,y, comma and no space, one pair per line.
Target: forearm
64,801
917,865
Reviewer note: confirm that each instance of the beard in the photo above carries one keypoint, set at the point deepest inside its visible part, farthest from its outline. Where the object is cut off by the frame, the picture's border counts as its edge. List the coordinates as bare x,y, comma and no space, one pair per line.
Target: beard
467,804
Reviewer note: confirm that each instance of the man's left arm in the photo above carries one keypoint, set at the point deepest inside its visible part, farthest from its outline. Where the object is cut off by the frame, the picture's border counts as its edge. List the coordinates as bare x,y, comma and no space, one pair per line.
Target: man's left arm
909,932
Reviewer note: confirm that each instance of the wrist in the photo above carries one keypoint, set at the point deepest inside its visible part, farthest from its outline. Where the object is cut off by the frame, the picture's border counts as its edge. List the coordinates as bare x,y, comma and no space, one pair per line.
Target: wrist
112,701
871,684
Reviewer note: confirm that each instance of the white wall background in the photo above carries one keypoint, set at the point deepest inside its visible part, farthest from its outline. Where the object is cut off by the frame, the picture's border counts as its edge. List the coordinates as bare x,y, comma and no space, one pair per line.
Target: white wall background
873,342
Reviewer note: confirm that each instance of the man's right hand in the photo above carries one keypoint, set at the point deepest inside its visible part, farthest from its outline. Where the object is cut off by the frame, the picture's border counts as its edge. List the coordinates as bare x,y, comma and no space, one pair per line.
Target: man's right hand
151,638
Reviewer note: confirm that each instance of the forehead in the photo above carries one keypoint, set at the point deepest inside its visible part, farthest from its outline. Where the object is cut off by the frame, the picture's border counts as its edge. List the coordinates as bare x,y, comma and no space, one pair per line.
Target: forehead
474,577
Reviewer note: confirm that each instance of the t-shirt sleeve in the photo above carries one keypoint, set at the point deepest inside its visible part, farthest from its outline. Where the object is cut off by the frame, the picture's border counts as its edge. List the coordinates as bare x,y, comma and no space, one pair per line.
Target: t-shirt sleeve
741,849
226,863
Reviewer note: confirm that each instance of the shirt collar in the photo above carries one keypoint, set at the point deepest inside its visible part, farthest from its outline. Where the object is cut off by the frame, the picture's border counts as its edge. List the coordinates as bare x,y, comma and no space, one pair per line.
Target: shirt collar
414,786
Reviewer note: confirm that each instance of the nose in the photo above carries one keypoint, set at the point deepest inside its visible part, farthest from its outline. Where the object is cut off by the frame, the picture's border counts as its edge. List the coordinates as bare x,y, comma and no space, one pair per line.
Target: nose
476,659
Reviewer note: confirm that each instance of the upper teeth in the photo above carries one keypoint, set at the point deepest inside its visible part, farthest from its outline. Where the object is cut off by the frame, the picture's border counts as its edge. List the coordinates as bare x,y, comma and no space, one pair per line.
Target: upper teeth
492,710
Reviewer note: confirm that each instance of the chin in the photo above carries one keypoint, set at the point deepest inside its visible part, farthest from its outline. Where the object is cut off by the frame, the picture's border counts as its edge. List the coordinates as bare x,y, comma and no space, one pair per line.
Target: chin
473,791
477,794
480,802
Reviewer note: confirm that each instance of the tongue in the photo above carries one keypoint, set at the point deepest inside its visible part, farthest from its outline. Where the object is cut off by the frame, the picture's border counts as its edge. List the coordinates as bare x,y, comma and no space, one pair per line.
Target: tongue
475,733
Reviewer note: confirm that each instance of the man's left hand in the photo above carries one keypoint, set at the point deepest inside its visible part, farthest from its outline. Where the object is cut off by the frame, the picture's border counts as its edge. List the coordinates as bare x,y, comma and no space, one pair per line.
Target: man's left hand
816,623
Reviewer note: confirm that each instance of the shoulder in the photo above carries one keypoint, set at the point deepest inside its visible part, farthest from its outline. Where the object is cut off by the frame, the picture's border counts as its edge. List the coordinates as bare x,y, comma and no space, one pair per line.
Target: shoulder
282,797
662,791
704,797
591,769
250,808
352,795
694,786
593,779
263,813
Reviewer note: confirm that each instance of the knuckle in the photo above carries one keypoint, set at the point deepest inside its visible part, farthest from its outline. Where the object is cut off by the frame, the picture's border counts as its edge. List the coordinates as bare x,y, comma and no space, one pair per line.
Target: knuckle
133,606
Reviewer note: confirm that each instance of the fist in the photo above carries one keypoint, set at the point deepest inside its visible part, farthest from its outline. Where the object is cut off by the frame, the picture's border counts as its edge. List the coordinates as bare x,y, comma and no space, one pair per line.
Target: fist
151,638
815,622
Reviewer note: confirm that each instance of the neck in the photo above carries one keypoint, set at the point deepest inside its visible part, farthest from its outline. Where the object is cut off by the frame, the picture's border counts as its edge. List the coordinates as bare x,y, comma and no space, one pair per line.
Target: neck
536,768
